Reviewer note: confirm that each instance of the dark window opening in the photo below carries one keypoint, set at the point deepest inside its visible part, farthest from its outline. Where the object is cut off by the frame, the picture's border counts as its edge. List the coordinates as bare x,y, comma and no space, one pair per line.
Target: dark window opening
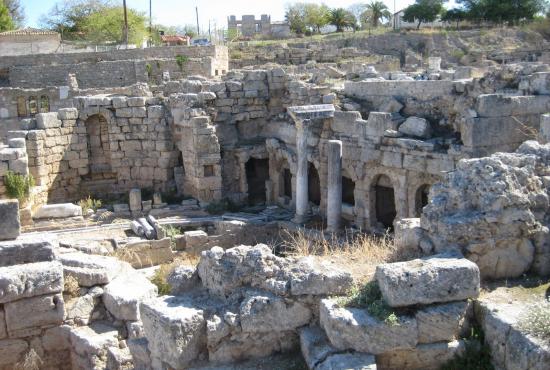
21,106
421,199
209,170
287,183
385,202
44,104
348,190
314,185
257,173
99,148
33,105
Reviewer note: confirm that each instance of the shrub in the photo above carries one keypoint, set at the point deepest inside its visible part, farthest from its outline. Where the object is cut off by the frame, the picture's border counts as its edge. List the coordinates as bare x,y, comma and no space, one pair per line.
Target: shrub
89,203
149,69
236,55
536,320
18,186
369,296
181,60
159,279
172,232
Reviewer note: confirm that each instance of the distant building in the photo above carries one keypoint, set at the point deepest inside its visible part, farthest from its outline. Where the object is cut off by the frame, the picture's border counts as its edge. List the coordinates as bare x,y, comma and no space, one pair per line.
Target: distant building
249,26
29,41
399,23
175,40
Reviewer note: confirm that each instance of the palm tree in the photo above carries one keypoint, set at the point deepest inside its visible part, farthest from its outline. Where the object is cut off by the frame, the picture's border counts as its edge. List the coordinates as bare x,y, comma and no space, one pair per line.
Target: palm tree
375,11
342,18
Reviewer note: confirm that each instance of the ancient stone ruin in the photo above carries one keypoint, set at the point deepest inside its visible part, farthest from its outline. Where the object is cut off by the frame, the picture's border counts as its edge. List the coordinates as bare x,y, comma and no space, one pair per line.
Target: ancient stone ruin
147,195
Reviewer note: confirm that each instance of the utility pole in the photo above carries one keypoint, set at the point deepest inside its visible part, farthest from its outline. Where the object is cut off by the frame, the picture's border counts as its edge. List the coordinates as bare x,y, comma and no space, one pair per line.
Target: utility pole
209,33
125,24
198,29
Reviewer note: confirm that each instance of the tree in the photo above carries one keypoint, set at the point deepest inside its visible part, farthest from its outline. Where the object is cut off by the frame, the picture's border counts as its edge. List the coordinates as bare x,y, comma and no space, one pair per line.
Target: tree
68,16
6,22
423,11
16,12
357,10
375,12
316,16
295,16
454,15
342,19
503,11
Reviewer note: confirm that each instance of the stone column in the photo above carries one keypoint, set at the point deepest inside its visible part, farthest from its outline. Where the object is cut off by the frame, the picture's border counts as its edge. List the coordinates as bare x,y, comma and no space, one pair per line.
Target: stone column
302,201
544,135
334,184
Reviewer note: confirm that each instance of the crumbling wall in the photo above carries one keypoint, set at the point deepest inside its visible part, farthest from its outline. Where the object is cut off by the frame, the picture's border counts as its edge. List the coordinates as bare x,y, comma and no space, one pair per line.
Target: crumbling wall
496,211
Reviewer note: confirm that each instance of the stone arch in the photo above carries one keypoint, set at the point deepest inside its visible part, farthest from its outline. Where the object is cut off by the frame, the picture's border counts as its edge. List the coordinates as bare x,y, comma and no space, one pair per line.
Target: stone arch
21,106
33,105
257,173
383,201
44,104
421,198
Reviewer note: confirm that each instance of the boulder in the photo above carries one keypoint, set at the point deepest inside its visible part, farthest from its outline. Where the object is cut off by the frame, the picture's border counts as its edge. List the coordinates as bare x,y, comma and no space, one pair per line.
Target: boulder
38,248
123,295
440,322
175,329
416,127
354,328
318,278
439,278
30,280
266,312
62,210
408,234
9,219
182,279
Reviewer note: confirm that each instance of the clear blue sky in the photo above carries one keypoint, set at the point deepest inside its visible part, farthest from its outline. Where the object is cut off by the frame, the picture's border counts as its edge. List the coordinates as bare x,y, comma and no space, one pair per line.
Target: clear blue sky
181,12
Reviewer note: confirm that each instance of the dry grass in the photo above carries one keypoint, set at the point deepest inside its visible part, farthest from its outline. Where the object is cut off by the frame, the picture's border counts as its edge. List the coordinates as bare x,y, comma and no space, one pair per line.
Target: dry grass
71,287
359,253
130,256
31,361
160,276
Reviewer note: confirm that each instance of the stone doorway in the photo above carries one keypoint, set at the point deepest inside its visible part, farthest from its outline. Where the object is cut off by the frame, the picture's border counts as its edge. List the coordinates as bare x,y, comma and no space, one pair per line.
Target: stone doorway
314,185
257,173
287,183
99,149
348,191
384,202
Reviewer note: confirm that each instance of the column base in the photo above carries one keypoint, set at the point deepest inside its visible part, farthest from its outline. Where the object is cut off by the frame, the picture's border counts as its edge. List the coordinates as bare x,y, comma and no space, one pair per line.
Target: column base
301,219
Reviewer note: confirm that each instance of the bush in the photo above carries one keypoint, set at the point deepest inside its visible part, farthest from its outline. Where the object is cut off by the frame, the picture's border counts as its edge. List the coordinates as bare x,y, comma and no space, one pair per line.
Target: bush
89,203
181,60
159,279
369,296
18,186
172,232
536,321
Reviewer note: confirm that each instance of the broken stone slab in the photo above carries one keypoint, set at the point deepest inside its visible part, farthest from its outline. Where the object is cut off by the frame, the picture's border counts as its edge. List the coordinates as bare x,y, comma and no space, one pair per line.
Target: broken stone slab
195,241
12,351
119,358
140,353
30,280
354,328
309,112
62,210
10,226
159,230
81,309
182,279
317,278
441,322
90,270
416,127
266,312
438,278
348,361
123,295
424,357
175,329
315,346
26,317
39,248
146,253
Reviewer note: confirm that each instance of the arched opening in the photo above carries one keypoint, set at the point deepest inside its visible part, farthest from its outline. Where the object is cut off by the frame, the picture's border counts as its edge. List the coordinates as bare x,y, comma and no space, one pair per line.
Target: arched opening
421,199
314,185
384,198
257,173
44,104
33,105
348,191
99,148
21,106
286,188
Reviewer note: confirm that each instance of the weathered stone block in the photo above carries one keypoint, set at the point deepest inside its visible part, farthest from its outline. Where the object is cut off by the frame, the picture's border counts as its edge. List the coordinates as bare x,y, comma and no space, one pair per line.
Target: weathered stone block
67,113
416,127
440,322
438,278
123,295
91,270
423,357
47,120
175,329
313,278
135,200
26,317
30,280
62,210
9,220
12,351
